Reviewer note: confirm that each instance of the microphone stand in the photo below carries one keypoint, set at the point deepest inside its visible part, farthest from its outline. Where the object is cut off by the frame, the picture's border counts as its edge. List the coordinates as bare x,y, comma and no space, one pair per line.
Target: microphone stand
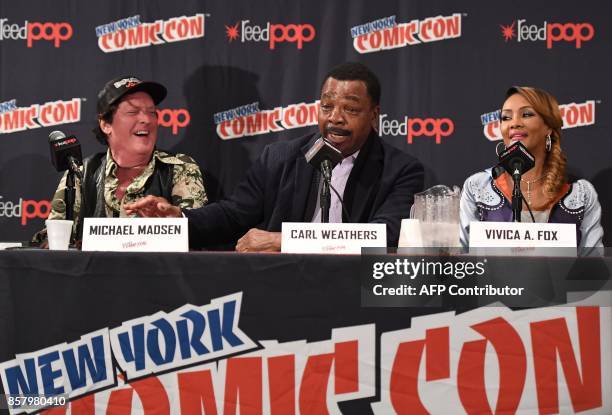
325,195
69,196
517,196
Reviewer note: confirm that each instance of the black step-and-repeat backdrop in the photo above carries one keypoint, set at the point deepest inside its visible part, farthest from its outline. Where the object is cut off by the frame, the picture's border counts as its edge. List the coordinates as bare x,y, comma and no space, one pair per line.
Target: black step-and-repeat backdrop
243,74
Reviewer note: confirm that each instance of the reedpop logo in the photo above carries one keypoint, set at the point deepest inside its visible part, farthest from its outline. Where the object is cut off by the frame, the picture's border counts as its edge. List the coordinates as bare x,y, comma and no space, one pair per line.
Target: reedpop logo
34,31
25,209
576,33
173,118
271,33
416,127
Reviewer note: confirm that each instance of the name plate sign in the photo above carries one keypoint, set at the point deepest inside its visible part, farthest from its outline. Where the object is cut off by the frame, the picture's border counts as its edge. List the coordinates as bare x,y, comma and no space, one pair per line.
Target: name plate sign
135,234
6,245
332,238
524,238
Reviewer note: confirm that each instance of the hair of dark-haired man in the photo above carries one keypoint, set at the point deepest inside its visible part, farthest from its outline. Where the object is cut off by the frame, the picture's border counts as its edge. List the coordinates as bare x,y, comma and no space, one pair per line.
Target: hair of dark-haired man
355,71
108,118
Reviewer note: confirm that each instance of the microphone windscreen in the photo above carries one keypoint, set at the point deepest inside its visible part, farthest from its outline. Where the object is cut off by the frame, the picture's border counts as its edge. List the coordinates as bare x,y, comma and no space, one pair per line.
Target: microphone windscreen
56,135
322,150
517,156
64,149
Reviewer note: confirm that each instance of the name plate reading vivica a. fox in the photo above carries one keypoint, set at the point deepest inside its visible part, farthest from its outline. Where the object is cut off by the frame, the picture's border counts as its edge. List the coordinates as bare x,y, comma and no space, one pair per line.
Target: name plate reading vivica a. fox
523,238
135,234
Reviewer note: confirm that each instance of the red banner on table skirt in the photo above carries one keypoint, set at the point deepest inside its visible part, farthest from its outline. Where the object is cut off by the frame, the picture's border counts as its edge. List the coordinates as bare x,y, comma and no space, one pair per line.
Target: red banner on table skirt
489,360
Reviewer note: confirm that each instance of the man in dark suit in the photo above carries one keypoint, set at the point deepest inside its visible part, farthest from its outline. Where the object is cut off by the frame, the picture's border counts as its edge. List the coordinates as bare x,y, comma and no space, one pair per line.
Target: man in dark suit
377,181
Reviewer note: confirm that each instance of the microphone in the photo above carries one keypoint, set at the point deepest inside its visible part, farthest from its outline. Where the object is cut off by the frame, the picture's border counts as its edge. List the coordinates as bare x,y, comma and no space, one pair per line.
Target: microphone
66,153
323,156
516,160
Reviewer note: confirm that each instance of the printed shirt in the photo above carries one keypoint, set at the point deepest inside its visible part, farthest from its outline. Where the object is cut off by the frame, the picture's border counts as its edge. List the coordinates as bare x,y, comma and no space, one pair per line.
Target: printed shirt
187,188
483,200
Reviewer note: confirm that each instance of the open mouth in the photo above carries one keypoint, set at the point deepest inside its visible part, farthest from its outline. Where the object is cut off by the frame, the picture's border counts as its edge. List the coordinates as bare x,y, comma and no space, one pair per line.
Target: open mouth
142,133
518,136
337,134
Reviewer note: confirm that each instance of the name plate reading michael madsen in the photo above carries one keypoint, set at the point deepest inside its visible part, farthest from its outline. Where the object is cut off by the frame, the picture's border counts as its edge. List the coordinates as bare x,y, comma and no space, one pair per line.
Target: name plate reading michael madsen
135,234
332,238
523,238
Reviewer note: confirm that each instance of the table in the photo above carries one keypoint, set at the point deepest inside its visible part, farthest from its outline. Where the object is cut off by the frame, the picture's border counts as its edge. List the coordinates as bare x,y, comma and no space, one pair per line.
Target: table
297,337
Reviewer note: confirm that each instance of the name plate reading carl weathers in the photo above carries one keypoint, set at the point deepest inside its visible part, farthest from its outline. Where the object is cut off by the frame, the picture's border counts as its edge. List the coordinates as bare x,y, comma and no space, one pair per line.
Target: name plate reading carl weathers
332,238
523,237
135,234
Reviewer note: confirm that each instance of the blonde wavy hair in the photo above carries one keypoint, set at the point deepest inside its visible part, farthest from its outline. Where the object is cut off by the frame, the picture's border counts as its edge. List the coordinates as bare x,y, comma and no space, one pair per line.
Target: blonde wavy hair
547,107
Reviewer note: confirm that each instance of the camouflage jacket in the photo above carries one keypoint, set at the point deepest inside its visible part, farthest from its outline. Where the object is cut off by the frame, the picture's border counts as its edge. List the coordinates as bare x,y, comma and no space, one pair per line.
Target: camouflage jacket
187,188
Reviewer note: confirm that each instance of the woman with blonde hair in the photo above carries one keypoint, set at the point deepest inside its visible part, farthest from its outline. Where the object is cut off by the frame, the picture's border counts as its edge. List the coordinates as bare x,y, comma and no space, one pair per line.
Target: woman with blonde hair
531,116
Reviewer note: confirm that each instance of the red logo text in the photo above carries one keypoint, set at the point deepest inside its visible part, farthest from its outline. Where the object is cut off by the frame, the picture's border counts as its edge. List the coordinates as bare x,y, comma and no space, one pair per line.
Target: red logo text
291,33
416,127
576,33
175,29
569,32
412,33
272,33
573,115
173,118
265,121
39,115
53,32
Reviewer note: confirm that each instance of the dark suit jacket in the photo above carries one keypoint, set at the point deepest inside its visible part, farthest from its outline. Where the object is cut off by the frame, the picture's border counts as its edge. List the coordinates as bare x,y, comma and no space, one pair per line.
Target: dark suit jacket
277,189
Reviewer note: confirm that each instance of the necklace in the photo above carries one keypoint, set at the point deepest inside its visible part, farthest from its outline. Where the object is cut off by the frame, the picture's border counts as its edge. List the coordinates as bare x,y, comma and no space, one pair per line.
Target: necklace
529,183
138,166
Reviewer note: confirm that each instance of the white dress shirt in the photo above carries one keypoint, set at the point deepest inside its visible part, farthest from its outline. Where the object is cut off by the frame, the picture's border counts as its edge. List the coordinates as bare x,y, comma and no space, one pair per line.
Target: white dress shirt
340,175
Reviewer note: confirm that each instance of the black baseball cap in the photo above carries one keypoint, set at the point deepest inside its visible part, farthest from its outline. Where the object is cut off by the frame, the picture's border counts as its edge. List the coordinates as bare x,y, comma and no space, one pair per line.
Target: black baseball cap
116,88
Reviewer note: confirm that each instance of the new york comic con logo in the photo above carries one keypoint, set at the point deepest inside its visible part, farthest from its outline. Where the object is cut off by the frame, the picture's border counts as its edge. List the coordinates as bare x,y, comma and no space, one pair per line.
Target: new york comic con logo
14,118
573,33
573,115
249,120
131,33
272,33
386,33
197,359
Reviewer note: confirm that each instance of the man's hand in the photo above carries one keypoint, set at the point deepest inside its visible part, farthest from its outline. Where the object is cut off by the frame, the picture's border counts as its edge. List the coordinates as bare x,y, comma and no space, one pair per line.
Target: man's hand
256,240
153,207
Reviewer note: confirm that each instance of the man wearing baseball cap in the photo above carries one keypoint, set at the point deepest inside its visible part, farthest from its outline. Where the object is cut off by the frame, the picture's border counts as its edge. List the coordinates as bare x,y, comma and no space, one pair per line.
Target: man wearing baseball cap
131,167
